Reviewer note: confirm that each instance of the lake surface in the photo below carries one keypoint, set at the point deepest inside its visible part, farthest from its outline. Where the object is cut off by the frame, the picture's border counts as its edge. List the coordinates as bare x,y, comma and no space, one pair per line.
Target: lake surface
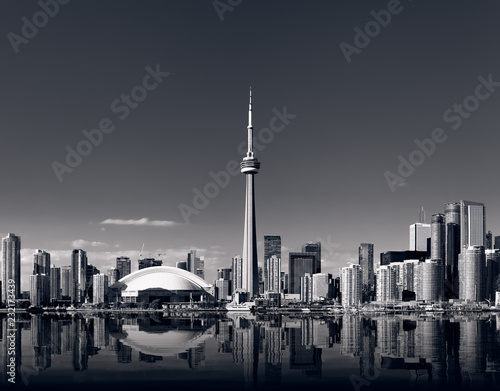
189,351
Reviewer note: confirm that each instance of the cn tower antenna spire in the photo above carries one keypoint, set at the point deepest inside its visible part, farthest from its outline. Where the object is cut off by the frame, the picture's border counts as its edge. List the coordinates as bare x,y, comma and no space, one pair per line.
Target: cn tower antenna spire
250,127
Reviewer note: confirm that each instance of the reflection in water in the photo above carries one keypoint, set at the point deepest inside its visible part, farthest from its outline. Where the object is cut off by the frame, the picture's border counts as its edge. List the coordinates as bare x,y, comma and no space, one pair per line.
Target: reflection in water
461,352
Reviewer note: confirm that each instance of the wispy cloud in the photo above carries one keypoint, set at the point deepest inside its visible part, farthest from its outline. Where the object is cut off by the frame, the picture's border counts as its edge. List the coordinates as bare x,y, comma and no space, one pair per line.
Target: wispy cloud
144,221
80,243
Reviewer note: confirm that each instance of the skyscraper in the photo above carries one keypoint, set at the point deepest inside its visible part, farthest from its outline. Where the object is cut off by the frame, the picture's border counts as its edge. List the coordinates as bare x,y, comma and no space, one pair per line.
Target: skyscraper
237,267
472,224
452,221
250,166
55,283
66,282
366,263
39,289
315,248
78,275
492,272
113,275
322,286
386,284
299,264
350,285
41,262
472,280
124,266
272,246
11,265
149,262
489,241
438,242
419,233
195,264
272,282
100,288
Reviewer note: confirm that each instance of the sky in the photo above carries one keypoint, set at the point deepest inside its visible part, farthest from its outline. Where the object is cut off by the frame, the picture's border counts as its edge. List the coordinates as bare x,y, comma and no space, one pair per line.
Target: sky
343,119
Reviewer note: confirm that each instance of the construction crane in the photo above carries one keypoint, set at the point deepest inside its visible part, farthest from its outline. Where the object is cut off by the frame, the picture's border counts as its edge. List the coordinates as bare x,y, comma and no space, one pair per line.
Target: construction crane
142,249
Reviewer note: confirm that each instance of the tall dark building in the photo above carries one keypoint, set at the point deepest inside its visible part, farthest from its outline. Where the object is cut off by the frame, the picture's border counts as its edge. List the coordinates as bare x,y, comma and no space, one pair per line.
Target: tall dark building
78,276
489,241
41,263
452,221
368,276
316,249
438,238
149,262
124,266
451,265
299,264
55,283
272,246
11,265
89,292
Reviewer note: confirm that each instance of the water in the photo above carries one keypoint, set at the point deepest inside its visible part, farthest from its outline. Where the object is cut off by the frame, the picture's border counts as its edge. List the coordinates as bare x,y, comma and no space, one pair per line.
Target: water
189,351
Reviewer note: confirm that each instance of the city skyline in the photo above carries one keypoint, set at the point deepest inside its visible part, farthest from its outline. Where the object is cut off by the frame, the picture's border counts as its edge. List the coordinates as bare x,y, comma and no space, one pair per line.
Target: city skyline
353,119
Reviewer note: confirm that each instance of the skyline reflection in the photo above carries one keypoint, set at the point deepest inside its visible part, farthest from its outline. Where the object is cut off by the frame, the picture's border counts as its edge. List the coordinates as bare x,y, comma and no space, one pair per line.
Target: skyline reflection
261,351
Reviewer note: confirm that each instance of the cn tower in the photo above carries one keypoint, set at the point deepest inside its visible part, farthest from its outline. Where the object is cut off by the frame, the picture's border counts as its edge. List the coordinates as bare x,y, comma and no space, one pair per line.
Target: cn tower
250,166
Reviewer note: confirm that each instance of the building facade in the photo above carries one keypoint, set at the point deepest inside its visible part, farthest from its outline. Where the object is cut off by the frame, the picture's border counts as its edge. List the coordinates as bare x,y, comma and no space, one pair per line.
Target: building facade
350,285
78,276
365,252
299,264
419,232
272,282
124,266
11,265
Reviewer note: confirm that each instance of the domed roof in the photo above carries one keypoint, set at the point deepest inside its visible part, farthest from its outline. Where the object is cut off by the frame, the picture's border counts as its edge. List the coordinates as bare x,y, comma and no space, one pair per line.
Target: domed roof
161,277
168,343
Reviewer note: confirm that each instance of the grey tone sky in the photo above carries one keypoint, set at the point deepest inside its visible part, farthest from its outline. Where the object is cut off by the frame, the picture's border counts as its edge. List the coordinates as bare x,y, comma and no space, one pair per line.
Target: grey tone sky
322,177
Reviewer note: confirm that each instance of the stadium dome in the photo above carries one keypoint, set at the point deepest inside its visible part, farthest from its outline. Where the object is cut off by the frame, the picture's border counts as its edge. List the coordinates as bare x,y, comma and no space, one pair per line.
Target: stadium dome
161,282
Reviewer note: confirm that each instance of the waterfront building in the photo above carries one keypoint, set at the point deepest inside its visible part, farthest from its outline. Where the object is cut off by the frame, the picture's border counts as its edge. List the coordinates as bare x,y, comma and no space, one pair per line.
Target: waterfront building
78,276
272,283
472,264
100,288
365,252
350,285
55,283
11,265
386,284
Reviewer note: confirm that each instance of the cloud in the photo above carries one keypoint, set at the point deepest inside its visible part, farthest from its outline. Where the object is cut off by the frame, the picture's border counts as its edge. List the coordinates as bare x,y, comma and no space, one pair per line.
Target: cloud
80,243
143,221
